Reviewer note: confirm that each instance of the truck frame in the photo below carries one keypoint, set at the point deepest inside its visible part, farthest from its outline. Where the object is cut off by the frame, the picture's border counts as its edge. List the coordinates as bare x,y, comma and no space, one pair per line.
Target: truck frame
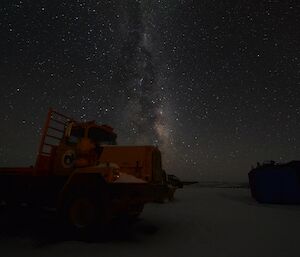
84,176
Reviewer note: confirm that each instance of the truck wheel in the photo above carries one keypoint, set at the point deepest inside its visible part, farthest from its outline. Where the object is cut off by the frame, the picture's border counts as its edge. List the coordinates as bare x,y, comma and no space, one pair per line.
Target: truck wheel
85,214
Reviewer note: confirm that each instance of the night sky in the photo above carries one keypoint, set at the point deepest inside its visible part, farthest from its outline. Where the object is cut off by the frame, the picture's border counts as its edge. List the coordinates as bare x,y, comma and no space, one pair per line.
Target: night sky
215,84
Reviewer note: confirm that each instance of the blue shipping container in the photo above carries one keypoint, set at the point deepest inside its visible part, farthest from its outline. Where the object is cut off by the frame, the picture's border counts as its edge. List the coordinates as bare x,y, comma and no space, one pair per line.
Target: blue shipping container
276,183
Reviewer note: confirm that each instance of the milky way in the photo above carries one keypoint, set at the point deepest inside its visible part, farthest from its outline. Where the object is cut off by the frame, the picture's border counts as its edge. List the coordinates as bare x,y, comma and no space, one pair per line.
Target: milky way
143,102
216,85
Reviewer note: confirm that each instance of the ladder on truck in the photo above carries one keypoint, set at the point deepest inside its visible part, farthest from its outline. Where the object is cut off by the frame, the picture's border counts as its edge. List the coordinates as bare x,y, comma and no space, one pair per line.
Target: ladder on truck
52,134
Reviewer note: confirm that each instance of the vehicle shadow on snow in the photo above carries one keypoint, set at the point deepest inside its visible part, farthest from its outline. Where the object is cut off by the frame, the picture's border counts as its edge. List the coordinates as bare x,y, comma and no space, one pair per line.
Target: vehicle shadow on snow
43,229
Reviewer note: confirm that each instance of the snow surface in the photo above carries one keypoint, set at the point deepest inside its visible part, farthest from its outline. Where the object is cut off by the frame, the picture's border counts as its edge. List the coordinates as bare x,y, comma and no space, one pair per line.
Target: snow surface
199,222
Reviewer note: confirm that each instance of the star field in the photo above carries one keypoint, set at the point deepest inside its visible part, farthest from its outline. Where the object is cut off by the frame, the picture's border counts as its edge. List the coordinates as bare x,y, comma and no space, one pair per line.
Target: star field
215,84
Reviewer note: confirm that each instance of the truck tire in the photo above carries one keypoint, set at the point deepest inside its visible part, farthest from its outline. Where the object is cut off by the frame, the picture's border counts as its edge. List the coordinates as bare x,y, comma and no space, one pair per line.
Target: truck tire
85,213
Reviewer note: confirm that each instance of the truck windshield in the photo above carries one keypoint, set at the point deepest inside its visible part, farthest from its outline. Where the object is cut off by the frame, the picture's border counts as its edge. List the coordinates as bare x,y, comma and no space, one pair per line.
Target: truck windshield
76,134
101,136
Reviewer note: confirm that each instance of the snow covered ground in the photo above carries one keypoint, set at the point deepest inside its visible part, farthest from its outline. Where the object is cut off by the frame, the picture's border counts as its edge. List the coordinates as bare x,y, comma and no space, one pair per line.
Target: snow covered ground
200,222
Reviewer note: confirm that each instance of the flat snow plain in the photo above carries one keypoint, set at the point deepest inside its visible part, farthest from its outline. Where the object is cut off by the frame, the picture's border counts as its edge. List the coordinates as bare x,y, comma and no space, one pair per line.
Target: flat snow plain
199,222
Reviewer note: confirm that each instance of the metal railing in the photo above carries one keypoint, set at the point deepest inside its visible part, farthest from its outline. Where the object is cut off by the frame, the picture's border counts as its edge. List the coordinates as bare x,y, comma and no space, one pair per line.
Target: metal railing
53,131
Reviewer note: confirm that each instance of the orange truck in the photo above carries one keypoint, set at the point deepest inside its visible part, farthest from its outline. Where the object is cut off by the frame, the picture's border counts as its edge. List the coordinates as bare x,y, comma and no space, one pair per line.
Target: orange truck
83,175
